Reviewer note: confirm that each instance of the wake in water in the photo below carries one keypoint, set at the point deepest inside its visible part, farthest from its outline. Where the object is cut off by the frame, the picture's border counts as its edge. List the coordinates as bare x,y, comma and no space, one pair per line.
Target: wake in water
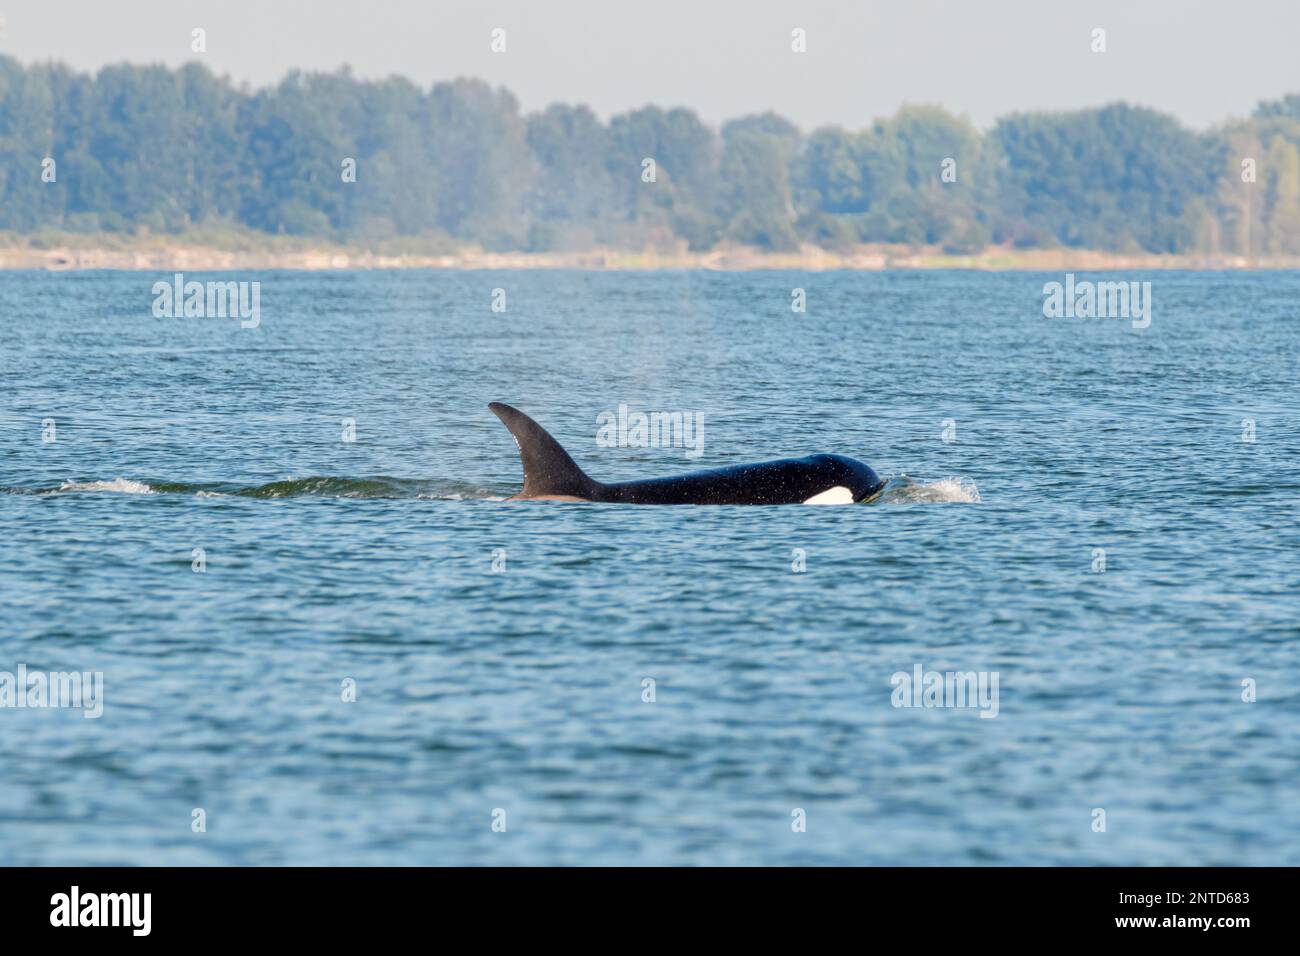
121,485
325,487
897,490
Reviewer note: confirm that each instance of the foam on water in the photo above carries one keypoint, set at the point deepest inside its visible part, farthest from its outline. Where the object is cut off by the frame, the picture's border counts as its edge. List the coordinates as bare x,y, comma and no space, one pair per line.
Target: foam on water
903,490
120,485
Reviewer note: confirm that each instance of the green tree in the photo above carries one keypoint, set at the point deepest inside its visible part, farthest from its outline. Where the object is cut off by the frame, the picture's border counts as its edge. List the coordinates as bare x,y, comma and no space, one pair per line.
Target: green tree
686,156
480,149
1282,197
756,203
573,191
28,106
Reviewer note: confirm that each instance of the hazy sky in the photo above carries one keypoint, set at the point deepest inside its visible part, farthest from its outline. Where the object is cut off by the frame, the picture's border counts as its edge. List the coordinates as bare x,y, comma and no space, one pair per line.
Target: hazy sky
1203,60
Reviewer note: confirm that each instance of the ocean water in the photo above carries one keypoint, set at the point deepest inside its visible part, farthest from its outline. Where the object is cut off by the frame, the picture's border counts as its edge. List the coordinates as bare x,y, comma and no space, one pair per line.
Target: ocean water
1018,449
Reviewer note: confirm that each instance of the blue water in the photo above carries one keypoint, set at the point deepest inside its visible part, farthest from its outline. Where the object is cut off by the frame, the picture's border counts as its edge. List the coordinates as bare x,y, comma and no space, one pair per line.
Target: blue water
521,690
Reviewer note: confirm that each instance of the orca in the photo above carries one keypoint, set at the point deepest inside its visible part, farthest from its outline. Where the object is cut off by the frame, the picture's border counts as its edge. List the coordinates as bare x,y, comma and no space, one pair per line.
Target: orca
550,474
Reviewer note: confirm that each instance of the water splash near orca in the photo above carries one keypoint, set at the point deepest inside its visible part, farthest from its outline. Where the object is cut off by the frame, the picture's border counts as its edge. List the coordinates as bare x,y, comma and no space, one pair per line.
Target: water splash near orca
902,490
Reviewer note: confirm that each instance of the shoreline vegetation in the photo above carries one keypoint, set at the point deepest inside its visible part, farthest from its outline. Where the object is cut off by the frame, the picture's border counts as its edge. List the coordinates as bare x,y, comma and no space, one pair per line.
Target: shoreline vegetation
83,252
145,167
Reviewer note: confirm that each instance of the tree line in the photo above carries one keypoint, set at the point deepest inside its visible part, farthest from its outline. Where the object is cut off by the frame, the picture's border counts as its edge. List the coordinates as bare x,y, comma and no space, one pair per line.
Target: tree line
147,148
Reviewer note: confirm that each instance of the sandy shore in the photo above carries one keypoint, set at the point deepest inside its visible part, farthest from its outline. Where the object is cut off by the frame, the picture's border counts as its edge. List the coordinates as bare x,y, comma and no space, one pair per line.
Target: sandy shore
156,257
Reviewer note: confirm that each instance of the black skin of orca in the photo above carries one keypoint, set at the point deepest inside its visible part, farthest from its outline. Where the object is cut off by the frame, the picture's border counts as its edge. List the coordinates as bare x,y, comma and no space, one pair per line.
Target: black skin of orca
549,472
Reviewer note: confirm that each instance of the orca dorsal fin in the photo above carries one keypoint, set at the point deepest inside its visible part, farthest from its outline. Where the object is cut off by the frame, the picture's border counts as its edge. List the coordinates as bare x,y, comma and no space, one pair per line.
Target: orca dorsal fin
548,469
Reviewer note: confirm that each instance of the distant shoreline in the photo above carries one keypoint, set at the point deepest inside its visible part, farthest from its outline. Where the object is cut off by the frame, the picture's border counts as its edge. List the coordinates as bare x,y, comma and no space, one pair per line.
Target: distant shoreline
155,256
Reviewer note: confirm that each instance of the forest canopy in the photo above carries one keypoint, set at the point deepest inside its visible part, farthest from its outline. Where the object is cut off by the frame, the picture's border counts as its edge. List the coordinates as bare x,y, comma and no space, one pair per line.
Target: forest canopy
147,148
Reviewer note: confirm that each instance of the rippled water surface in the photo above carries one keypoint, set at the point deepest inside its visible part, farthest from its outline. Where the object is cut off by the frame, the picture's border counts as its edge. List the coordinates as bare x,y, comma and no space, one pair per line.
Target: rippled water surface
522,690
